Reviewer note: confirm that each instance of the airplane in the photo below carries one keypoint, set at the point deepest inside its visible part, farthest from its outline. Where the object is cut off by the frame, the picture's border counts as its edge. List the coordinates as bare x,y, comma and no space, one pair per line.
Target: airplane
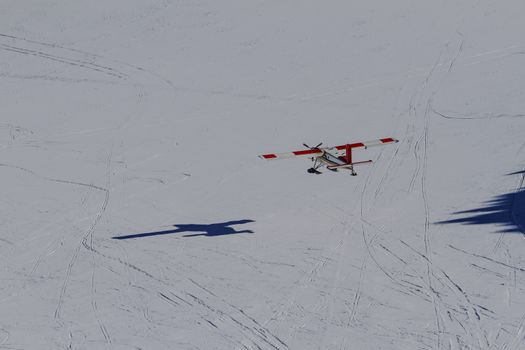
334,158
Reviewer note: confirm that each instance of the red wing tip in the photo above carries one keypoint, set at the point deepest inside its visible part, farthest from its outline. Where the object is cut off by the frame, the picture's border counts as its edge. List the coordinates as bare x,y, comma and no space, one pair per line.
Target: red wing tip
388,139
268,156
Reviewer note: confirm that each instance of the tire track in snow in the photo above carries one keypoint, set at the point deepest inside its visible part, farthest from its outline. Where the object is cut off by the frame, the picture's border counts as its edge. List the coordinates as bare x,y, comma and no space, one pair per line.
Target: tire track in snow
336,279
76,58
486,258
64,60
518,338
334,255
80,59
6,336
476,311
88,61
301,285
484,117
406,287
62,181
413,108
89,242
461,297
337,256
40,259
362,270
433,281
74,258
426,235
465,308
421,71
189,295
94,305
387,172
248,328
420,156
415,174
357,296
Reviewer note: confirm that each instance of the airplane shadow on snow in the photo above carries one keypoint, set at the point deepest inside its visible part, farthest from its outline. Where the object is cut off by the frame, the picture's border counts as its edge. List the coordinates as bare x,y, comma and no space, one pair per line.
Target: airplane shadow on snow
506,210
208,230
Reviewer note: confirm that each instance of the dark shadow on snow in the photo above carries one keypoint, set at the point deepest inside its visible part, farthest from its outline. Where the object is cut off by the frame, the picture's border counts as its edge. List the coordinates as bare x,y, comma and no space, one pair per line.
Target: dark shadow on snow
209,230
506,210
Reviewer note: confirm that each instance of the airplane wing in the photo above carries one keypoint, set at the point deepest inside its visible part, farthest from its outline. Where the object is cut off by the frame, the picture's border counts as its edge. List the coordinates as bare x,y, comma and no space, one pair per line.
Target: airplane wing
307,152
337,149
366,144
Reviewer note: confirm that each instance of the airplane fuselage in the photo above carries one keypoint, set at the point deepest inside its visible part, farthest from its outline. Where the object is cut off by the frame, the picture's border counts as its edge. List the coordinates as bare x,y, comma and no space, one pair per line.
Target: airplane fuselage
330,160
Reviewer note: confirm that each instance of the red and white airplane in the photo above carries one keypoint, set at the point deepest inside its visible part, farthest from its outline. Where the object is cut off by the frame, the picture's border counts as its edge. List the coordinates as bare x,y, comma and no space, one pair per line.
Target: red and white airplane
334,158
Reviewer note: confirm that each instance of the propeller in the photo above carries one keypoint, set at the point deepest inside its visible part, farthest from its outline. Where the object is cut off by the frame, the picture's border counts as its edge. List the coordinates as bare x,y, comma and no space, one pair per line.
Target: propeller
305,145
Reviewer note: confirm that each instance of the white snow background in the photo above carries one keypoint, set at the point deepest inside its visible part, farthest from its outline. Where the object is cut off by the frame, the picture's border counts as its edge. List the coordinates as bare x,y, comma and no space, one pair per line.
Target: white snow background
121,118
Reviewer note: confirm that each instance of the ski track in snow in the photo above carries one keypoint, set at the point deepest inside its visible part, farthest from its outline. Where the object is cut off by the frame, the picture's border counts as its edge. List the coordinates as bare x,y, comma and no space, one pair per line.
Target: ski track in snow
84,60
421,157
339,295
87,236
88,243
226,315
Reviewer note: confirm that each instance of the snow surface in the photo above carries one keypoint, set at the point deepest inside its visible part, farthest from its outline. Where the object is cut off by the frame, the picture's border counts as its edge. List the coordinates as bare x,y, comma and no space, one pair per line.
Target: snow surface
145,118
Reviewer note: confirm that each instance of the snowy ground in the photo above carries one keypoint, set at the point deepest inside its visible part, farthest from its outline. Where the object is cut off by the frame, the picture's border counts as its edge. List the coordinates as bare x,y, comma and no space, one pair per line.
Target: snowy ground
127,118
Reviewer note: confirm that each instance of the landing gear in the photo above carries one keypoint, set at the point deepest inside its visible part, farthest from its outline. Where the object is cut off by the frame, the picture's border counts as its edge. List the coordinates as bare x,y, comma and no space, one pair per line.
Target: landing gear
353,171
317,165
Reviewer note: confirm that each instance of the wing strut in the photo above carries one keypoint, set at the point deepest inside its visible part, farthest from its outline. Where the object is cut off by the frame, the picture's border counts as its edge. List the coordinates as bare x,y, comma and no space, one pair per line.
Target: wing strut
348,156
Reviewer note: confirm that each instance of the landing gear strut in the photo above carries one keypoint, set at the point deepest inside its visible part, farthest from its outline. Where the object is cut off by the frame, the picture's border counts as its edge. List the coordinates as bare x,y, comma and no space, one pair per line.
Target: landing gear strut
317,165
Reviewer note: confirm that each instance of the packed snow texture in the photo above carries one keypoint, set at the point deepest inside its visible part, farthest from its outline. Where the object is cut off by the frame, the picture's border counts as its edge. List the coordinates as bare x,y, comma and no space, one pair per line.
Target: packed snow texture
136,214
